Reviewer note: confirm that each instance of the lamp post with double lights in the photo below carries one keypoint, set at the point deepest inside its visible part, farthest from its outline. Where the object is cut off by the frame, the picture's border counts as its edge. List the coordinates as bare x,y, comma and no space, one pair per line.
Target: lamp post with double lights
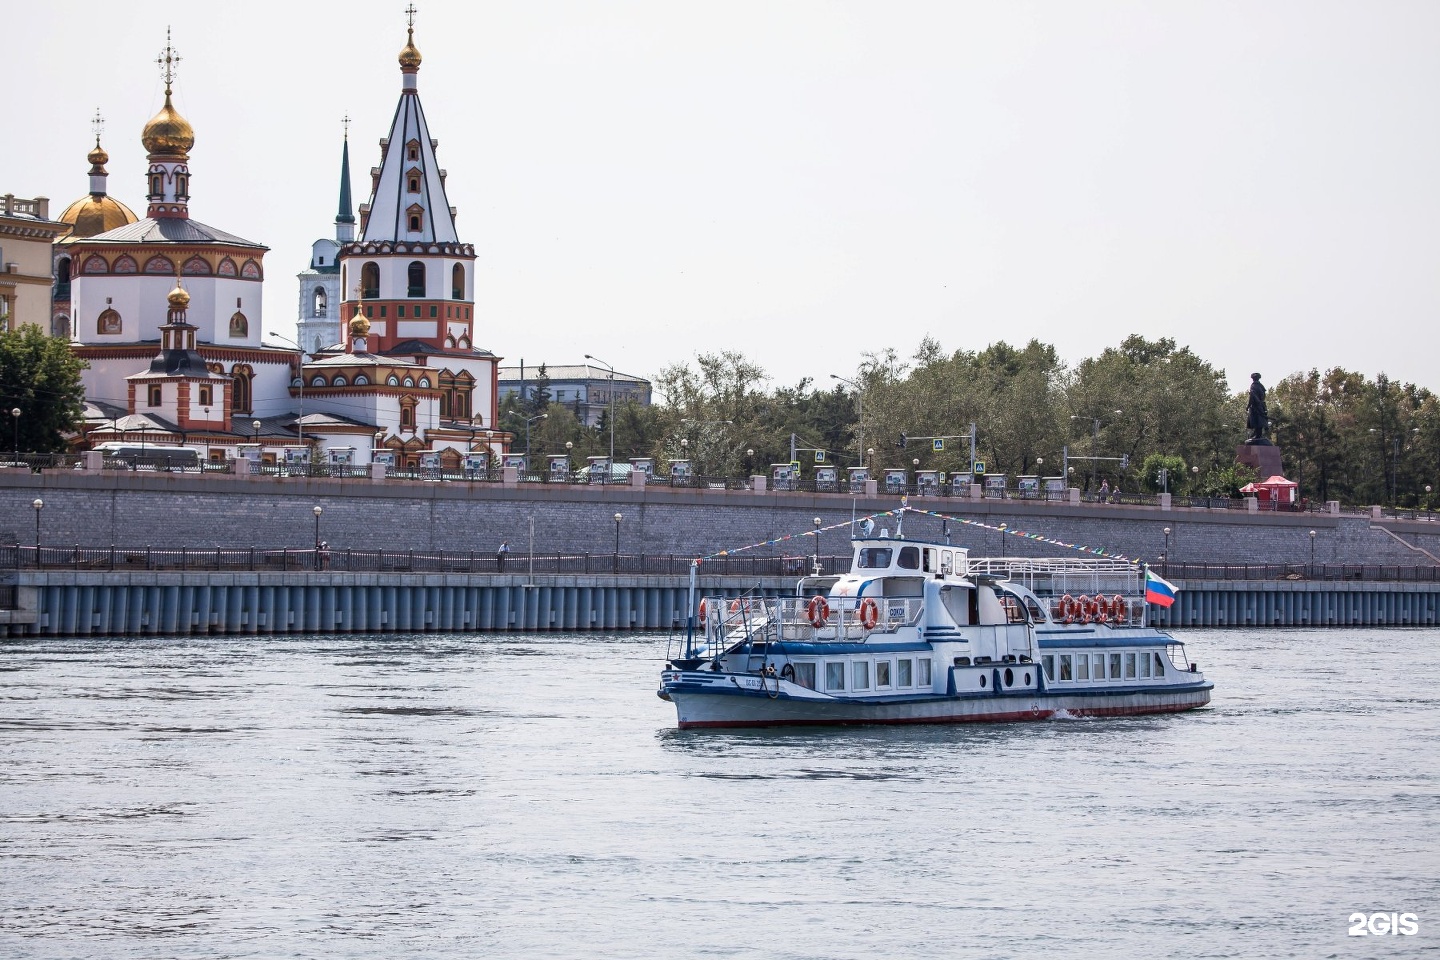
590,356
859,415
1094,445
543,416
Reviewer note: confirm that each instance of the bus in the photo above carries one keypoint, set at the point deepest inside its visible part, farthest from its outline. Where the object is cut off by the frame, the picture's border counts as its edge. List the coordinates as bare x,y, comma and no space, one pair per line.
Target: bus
150,456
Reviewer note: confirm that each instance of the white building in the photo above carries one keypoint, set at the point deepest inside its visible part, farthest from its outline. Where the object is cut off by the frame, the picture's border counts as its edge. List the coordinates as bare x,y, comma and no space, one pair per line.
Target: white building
319,325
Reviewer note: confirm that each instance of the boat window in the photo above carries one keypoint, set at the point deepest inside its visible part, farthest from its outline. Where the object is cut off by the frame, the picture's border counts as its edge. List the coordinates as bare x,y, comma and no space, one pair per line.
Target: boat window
835,676
860,672
1014,613
929,561
1082,667
1129,666
882,674
1114,666
946,562
874,558
1159,665
909,558
1037,614
903,673
1049,661
1144,664
922,670
1065,673
1098,661
805,675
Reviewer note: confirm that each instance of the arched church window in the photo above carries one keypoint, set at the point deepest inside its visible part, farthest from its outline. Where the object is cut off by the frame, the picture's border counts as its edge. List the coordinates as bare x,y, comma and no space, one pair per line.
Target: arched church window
416,275
340,381
244,376
96,264
318,345
126,264
62,279
457,282
361,380
393,381
412,150
317,381
109,323
159,266
196,267
416,217
239,326
370,280
409,381
62,327
319,307
157,184
182,186
425,383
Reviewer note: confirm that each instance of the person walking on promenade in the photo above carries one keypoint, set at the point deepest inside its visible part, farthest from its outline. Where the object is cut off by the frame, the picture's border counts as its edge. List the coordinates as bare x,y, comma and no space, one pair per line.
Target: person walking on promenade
500,554
1104,491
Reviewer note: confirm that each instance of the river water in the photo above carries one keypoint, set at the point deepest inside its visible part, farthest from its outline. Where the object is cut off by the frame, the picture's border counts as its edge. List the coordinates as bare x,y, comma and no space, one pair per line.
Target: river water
528,796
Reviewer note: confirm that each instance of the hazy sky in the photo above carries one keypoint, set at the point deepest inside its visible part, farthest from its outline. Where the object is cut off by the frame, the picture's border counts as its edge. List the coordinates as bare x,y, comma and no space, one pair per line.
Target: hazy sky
806,182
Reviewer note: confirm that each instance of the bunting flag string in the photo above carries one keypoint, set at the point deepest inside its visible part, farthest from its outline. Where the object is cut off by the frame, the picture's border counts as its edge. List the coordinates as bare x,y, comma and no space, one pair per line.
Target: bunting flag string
807,533
905,508
1039,538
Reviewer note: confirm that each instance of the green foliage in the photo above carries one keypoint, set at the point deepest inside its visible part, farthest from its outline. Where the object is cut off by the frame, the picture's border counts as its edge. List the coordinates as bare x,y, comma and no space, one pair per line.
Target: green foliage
40,376
1179,474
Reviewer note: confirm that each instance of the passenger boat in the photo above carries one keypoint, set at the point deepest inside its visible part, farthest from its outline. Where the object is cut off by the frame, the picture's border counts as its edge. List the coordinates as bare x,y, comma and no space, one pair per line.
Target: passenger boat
918,632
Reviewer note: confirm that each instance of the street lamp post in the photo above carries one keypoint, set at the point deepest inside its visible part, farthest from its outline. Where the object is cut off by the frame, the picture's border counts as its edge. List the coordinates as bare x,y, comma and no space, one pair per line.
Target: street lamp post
1312,553
300,379
612,407
618,518
1167,549
318,510
39,505
543,416
15,413
1003,528
255,425
817,522
859,415
1094,445
870,459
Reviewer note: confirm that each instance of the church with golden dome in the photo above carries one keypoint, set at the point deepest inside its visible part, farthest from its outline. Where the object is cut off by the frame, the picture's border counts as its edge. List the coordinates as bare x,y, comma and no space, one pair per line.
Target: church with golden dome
120,272
167,312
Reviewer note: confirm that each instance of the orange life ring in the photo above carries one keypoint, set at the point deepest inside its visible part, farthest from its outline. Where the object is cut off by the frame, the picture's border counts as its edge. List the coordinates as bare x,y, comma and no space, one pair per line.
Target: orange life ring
818,610
1067,607
1102,609
738,604
1121,608
869,613
1087,609
702,611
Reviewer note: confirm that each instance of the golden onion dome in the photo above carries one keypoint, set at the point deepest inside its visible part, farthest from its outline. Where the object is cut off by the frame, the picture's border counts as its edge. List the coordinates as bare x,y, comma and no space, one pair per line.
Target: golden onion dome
359,325
178,298
93,215
98,157
409,55
168,133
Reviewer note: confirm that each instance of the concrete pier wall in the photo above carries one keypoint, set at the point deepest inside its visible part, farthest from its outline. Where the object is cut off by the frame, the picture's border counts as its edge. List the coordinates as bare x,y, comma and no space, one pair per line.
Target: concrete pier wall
169,603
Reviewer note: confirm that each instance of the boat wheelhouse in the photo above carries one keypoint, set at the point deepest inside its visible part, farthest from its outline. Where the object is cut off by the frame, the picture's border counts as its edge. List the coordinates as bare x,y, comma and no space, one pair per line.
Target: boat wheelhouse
918,632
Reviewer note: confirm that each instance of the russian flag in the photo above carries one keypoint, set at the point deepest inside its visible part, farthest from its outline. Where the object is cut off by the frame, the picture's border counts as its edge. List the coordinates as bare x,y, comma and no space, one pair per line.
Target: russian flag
1158,590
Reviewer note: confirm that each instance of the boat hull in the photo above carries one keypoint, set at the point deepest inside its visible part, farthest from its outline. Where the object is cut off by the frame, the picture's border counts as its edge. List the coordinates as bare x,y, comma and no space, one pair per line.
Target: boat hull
736,707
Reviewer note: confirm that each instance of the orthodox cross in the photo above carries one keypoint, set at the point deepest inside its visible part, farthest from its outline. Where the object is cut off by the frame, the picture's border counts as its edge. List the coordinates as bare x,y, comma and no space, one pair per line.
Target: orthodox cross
167,61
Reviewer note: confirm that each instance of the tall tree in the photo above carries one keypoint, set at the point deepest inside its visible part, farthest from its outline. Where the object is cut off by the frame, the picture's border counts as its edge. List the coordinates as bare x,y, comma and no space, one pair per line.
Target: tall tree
40,377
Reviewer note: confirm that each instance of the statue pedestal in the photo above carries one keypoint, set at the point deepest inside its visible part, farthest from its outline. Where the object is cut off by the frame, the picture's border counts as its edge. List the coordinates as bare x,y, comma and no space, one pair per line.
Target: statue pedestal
1264,459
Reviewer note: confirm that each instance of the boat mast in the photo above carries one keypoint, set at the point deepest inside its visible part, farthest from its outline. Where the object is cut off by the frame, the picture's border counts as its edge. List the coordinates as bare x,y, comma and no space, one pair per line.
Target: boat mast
690,618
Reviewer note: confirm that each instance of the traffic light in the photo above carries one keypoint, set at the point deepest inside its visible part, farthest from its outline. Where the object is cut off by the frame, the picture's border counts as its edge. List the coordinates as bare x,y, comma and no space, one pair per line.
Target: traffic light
902,441
1124,461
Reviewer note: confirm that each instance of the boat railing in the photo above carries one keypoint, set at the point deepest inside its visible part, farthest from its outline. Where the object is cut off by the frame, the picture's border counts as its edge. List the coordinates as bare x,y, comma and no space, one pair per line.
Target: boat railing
802,619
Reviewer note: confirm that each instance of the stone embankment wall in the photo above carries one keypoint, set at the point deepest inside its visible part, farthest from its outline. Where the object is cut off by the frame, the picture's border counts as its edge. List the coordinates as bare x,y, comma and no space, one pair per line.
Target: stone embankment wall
174,510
